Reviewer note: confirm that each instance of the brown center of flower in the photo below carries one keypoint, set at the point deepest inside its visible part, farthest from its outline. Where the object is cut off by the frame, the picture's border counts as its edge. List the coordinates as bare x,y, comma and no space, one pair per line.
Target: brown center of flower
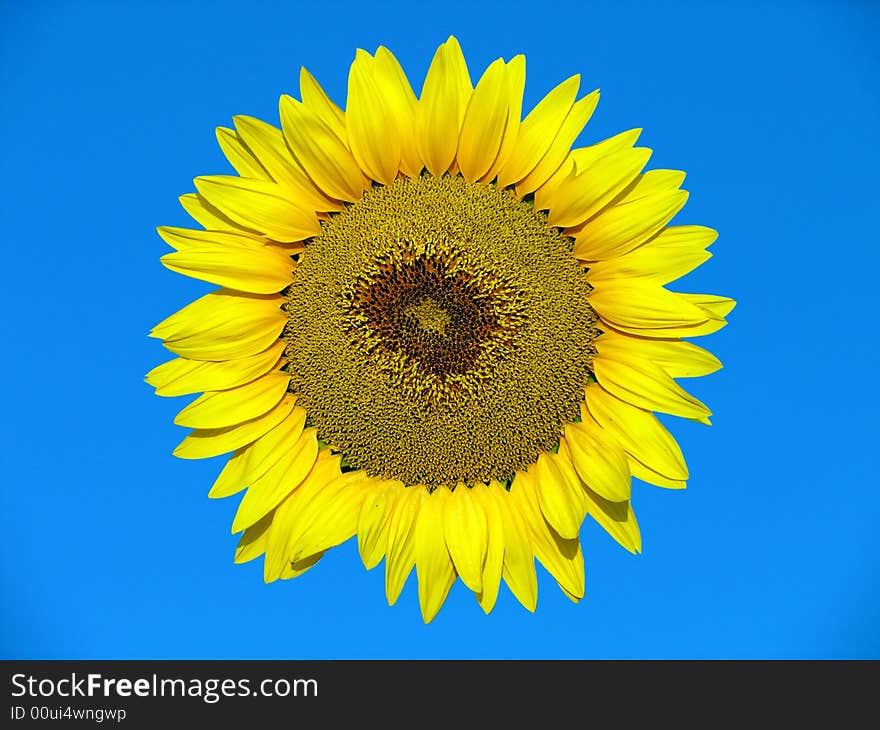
439,332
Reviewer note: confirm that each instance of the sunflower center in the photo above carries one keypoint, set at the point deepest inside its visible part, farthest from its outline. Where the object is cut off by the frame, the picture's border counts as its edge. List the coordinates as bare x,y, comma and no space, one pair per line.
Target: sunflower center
429,316
440,332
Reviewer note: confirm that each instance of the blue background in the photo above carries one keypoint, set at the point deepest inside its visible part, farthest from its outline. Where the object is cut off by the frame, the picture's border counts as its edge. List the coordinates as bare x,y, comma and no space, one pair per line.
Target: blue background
110,546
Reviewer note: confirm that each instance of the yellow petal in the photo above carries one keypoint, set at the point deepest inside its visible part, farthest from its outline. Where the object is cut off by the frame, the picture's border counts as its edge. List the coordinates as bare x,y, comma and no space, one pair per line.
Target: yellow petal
655,181
240,157
257,269
467,534
296,568
711,306
222,408
250,462
624,226
494,563
640,471
202,444
186,239
641,304
642,382
678,358
484,123
324,156
583,195
578,160
329,513
716,306
182,377
400,554
433,563
285,522
223,325
670,254
516,83
267,143
441,108
638,431
557,503
561,557
371,135
538,130
266,492
401,103
252,543
599,460
206,215
617,519
518,570
259,205
317,101
374,521
577,118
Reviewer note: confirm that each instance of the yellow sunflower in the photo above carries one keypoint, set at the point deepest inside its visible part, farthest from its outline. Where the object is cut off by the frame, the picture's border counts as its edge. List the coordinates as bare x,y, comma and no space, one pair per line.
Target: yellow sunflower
440,328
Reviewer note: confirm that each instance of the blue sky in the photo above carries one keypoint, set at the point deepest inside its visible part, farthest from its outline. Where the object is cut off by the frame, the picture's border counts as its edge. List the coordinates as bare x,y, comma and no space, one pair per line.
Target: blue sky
112,548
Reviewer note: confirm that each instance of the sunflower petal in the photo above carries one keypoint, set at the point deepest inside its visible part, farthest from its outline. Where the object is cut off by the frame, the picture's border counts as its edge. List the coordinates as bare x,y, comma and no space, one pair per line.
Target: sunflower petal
643,383
259,205
223,325
717,307
467,534
560,556
599,460
240,157
624,226
206,215
268,145
518,570
617,519
638,431
187,239
578,160
678,358
577,118
329,514
555,498
223,408
672,253
202,444
640,471
494,562
319,104
441,108
642,304
369,124
485,120
538,130
516,83
374,521
258,270
652,182
182,377
401,103
277,563
583,195
252,542
324,156
250,462
266,492
433,562
400,553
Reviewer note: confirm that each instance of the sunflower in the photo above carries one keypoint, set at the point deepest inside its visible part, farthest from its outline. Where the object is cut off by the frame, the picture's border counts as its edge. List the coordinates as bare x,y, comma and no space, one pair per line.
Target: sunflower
440,328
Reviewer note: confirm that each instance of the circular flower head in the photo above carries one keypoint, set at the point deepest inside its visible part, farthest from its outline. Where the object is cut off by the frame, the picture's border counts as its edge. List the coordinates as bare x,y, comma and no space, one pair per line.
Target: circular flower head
440,328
